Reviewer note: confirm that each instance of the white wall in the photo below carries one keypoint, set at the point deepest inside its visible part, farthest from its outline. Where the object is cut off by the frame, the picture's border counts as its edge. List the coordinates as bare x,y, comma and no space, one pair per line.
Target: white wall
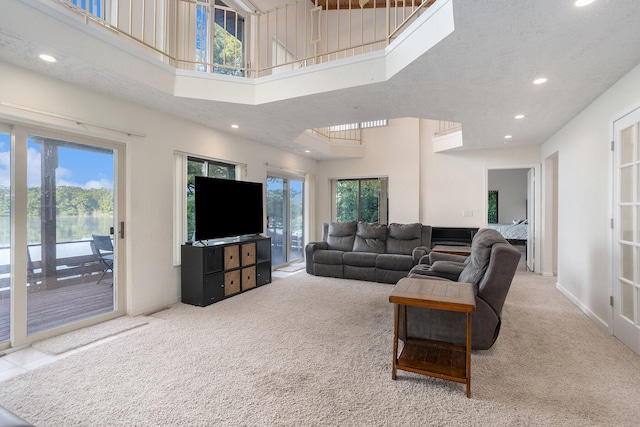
511,185
392,151
455,182
427,187
584,197
152,279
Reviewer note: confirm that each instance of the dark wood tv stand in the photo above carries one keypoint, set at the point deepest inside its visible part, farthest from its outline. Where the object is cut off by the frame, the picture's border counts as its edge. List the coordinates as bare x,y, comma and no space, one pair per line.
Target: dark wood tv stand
223,269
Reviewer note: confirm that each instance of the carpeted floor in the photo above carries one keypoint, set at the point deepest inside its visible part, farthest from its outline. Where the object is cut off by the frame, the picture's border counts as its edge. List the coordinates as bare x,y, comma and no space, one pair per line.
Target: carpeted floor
91,334
293,267
311,351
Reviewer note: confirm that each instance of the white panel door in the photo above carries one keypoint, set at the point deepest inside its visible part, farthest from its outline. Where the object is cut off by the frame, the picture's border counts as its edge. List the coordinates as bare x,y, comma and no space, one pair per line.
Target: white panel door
531,216
626,232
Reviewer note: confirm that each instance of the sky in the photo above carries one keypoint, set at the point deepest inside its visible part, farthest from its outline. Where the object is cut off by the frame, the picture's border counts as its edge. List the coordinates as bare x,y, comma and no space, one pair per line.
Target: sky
78,168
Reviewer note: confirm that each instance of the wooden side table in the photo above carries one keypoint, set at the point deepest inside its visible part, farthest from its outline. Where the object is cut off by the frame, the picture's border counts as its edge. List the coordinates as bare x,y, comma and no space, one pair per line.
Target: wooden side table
433,358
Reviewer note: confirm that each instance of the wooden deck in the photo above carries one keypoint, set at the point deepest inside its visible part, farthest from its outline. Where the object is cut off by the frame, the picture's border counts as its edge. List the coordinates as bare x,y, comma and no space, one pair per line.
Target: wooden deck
48,308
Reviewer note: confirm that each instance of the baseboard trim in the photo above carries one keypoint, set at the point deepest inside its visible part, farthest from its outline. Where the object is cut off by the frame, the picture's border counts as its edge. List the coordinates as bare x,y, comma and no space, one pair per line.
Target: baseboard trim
590,314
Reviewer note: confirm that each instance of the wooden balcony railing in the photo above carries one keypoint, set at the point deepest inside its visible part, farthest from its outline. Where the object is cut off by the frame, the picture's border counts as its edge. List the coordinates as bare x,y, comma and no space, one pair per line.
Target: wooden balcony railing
79,268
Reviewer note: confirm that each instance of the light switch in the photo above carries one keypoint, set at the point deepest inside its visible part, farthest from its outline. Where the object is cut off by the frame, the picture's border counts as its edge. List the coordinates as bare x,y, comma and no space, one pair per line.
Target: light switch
467,213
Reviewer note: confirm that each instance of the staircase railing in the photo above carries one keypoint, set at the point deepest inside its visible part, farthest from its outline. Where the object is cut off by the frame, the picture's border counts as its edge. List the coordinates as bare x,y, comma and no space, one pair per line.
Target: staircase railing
343,135
209,36
445,127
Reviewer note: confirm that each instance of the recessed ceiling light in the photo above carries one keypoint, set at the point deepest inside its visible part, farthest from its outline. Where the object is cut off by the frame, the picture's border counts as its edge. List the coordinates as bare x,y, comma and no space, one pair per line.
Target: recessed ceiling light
307,151
520,116
540,81
580,3
48,58
235,126
508,136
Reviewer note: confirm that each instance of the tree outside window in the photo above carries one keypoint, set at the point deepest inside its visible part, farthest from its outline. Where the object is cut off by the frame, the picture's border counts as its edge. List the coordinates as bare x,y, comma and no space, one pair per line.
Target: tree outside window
493,207
362,200
227,49
202,167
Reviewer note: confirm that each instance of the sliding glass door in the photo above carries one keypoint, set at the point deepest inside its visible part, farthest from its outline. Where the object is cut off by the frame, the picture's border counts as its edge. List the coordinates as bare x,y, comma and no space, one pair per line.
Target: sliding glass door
61,238
70,232
5,234
285,207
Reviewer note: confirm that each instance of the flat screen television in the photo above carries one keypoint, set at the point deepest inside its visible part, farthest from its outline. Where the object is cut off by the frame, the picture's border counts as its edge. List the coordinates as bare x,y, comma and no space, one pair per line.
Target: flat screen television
227,208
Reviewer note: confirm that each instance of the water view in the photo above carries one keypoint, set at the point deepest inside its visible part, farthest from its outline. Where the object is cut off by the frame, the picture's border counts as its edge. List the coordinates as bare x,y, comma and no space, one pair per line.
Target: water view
68,228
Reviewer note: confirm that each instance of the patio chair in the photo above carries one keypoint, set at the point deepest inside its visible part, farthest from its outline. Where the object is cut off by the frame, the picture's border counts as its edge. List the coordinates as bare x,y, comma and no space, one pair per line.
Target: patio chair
103,247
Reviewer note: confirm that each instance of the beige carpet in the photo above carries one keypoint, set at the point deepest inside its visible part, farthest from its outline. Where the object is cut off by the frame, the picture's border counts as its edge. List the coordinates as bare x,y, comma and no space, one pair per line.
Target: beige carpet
309,351
91,334
293,267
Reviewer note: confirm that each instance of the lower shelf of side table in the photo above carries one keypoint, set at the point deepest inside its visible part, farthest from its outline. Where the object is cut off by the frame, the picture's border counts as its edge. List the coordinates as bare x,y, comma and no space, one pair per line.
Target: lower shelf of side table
434,358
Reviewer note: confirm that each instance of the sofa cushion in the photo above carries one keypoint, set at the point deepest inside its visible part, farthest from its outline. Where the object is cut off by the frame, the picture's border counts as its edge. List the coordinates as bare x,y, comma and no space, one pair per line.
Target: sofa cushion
329,270
360,273
403,238
342,235
370,238
328,257
395,262
360,259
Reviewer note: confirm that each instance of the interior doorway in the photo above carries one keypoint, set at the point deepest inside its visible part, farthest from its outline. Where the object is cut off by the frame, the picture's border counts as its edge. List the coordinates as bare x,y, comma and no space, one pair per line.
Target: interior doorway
511,207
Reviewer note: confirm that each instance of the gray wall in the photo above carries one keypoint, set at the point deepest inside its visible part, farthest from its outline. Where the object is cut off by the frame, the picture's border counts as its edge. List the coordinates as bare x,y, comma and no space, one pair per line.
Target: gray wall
511,185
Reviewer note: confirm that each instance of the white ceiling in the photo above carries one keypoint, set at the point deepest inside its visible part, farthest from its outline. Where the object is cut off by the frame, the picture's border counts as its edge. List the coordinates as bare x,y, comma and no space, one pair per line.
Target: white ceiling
481,75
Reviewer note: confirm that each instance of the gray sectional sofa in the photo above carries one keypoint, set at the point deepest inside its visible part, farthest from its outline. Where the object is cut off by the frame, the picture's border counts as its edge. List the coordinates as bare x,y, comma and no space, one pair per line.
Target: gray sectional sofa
365,251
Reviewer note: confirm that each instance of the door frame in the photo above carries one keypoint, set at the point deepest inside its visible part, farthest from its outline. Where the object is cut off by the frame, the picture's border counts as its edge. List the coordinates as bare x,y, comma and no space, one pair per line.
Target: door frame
287,176
20,132
535,222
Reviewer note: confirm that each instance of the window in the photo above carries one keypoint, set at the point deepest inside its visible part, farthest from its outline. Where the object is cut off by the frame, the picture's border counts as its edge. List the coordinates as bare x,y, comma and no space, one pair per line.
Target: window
99,8
363,200
362,125
202,167
224,53
493,207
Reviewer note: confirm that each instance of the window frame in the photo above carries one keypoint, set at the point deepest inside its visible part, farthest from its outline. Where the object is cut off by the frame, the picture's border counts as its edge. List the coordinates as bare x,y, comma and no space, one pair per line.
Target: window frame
207,165
383,197
180,190
203,35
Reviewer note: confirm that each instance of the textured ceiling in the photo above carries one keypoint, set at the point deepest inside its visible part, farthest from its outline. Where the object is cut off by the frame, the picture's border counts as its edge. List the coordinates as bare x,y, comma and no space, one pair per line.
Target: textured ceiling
481,75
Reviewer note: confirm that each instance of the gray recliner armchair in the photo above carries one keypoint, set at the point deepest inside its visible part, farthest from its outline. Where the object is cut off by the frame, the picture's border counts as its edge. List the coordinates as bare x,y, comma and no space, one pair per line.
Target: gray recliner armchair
490,268
439,264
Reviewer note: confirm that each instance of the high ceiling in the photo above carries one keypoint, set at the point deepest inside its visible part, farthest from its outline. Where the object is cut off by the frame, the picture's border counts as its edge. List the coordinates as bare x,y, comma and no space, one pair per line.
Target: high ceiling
480,75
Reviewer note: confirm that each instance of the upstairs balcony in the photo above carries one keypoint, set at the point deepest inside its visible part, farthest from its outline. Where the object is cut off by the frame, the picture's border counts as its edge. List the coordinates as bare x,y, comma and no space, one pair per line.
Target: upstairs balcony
235,37
235,53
